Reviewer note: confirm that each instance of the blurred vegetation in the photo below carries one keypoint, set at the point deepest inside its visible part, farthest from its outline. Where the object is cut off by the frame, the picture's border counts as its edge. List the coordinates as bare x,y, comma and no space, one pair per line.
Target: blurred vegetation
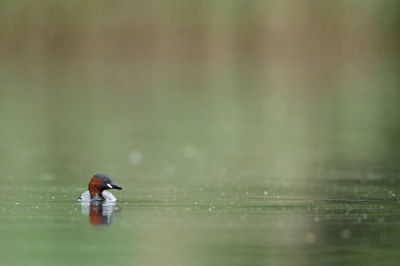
275,83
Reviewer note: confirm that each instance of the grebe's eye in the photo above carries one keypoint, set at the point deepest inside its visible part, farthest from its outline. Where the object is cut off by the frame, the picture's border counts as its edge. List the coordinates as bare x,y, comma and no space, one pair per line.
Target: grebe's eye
105,181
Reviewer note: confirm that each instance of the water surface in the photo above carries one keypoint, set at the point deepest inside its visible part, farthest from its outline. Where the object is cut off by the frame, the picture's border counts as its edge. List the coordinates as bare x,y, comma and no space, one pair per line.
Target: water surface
302,223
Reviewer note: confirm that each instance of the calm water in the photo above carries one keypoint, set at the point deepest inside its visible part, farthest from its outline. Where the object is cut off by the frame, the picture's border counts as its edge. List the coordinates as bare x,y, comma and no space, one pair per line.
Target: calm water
243,132
306,222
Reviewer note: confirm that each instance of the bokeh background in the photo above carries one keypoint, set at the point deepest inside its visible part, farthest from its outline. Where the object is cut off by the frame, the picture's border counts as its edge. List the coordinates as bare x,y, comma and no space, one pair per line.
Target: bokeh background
171,94
84,84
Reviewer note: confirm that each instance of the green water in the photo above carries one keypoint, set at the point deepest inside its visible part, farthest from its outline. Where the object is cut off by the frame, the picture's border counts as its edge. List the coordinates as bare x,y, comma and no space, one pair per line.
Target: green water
242,132
207,222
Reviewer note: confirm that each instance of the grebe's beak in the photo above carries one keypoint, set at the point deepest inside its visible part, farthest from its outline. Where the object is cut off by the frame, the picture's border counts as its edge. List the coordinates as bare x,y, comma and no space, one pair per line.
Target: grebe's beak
114,186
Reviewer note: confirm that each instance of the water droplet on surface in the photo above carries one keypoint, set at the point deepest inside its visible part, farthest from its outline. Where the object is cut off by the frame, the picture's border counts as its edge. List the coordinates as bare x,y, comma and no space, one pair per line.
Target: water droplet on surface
346,234
135,157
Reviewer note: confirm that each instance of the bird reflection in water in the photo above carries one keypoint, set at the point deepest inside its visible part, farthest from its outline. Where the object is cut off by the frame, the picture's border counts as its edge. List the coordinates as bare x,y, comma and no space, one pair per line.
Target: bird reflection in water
100,213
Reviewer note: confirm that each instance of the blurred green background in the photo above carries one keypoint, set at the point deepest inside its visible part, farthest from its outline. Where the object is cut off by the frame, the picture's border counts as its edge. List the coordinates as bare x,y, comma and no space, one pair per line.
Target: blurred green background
171,94
86,83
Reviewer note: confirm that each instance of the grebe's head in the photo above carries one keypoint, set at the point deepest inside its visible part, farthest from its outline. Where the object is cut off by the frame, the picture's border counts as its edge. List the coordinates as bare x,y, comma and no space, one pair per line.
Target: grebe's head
101,182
